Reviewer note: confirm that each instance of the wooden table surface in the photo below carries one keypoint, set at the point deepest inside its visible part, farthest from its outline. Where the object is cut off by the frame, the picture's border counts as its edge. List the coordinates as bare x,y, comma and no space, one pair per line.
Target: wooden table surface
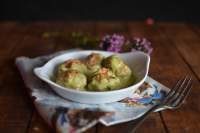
176,53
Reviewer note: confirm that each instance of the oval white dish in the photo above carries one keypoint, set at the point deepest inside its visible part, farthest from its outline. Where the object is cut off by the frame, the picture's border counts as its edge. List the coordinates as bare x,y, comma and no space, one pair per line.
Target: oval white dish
137,61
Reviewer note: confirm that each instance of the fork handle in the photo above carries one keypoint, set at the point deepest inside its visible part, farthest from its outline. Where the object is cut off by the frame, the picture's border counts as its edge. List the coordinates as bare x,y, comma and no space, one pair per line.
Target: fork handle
144,116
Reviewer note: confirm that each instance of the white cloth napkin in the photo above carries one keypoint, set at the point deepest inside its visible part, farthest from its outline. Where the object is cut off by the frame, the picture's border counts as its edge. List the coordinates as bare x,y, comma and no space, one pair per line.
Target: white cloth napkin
68,116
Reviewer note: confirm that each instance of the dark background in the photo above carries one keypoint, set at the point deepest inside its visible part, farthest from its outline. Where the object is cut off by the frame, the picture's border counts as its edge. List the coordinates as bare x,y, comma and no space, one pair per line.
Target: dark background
166,10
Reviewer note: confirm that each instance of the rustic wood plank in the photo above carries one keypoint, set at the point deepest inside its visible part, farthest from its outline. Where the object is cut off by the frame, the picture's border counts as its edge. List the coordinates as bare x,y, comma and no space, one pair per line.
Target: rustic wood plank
11,38
5,29
186,41
194,27
16,108
166,66
33,44
167,69
85,27
103,28
16,116
196,30
110,27
141,29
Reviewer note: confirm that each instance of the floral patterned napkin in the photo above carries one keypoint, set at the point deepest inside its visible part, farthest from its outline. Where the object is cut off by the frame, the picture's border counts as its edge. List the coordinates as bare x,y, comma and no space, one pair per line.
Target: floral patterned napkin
67,116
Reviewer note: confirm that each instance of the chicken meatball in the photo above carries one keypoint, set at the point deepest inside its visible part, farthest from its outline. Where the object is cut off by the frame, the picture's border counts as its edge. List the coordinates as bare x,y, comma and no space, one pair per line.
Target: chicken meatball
104,80
93,63
72,64
72,79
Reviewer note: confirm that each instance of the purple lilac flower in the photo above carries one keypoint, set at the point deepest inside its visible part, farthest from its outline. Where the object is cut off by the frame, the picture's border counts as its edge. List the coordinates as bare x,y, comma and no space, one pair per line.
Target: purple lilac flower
112,43
142,44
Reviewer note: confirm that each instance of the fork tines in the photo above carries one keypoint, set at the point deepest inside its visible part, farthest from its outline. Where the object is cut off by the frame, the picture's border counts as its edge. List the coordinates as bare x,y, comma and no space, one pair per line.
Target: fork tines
179,92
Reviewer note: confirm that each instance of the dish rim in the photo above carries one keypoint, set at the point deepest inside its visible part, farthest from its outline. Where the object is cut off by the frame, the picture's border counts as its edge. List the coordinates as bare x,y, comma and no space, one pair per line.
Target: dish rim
37,72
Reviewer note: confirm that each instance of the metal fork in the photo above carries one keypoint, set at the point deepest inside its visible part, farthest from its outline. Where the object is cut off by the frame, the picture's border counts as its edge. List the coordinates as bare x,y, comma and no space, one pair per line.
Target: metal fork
174,99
